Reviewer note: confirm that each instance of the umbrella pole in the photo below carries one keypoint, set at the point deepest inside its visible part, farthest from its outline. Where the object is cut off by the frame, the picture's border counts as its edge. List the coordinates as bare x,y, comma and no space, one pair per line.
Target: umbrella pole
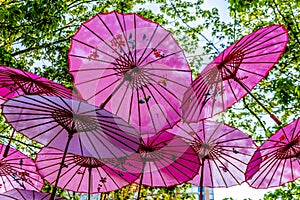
90,178
141,181
110,96
8,145
70,135
249,92
201,179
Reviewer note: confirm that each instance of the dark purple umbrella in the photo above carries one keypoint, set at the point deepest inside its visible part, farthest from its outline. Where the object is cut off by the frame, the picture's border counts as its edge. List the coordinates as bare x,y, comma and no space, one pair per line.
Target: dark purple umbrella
20,194
224,152
132,67
234,73
18,171
80,173
277,160
72,126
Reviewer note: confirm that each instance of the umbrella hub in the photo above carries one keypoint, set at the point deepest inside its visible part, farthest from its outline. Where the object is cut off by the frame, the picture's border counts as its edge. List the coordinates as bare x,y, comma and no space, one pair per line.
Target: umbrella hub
88,162
290,150
149,153
134,75
74,122
205,150
31,86
5,169
230,65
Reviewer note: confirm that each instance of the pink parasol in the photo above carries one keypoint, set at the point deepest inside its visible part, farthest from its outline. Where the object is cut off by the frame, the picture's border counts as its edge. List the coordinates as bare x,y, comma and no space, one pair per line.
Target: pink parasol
132,67
18,171
234,73
16,82
81,174
19,194
278,159
164,159
72,126
224,152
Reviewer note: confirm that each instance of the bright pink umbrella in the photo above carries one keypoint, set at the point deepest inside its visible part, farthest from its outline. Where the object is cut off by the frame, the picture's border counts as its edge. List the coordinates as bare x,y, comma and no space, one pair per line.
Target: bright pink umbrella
81,174
18,171
164,159
19,194
224,152
234,73
132,67
72,126
278,159
16,82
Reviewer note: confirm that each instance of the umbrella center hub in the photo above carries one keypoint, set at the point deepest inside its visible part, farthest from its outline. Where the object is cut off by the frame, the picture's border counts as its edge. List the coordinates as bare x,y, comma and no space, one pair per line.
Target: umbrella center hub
230,66
73,122
205,150
290,150
87,162
31,86
149,153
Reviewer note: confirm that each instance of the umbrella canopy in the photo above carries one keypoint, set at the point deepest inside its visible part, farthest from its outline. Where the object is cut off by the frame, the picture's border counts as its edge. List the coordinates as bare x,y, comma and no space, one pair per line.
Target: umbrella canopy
20,194
81,174
278,159
18,171
235,72
16,82
132,67
164,159
224,152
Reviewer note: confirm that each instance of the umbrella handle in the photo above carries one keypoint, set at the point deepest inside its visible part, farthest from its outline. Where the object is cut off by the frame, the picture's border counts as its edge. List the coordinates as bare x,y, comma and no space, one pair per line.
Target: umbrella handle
141,181
8,145
70,135
201,179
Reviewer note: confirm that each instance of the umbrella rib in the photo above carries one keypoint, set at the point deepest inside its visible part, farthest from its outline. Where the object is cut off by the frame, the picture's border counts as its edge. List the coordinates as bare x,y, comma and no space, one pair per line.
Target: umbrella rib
152,119
81,179
98,92
292,136
213,160
119,45
122,99
139,111
153,61
98,78
130,105
108,124
150,40
124,33
159,43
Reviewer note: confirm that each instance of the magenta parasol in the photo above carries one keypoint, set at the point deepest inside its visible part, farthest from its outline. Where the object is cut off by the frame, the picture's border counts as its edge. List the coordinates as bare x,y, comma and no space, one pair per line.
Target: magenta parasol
278,159
132,67
81,174
234,73
224,152
18,171
16,82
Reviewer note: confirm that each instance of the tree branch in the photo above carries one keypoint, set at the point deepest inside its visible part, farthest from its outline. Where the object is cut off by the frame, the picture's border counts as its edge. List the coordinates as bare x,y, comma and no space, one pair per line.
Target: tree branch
254,114
40,47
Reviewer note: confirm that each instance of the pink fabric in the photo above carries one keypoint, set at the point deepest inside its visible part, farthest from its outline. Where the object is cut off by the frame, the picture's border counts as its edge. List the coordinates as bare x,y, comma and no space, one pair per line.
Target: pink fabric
167,161
249,60
49,119
225,151
75,174
133,64
278,159
19,194
18,171
16,82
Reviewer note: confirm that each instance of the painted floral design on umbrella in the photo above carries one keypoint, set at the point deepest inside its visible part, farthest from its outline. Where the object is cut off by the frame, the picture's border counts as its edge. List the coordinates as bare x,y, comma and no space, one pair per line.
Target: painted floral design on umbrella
20,194
224,152
132,67
234,73
81,174
72,126
18,171
278,159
